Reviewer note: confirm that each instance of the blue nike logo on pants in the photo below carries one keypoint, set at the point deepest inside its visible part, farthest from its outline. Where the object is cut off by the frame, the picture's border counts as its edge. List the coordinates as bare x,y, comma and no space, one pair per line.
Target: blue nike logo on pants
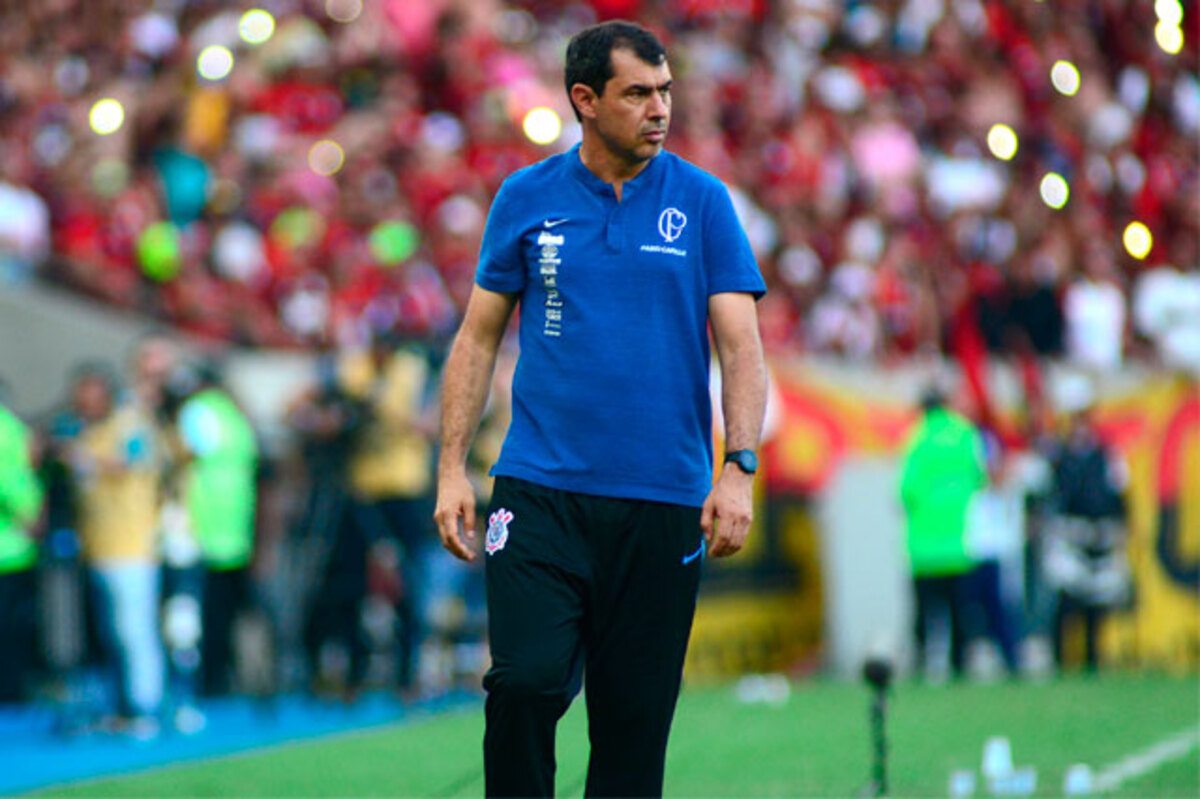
699,551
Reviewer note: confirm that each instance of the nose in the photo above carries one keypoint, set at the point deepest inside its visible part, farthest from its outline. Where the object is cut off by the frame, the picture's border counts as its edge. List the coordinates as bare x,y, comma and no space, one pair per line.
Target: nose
659,107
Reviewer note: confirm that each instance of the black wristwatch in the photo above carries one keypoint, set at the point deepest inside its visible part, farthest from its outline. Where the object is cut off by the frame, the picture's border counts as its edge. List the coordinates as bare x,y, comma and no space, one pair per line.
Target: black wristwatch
745,459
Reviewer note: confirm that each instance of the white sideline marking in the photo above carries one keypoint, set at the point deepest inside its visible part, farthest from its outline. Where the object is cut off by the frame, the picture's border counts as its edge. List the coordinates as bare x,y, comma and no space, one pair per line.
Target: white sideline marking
1147,760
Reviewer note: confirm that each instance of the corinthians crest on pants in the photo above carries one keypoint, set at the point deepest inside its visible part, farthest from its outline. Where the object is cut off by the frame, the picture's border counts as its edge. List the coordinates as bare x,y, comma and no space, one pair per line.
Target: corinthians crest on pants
497,531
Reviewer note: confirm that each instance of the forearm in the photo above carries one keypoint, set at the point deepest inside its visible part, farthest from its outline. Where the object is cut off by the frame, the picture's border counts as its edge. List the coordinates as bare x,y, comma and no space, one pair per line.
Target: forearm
466,381
743,392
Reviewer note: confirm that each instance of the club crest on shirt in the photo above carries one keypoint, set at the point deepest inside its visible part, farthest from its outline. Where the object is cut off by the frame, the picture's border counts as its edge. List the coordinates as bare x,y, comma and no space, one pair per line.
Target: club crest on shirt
497,531
671,223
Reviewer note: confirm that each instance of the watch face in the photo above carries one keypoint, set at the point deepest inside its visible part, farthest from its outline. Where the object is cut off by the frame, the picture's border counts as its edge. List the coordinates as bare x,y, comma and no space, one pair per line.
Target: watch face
746,460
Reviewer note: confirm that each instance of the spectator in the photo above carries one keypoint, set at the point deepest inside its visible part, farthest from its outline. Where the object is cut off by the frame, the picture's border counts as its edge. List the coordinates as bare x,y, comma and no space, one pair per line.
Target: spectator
1095,311
819,115
1166,310
24,232
20,503
1035,316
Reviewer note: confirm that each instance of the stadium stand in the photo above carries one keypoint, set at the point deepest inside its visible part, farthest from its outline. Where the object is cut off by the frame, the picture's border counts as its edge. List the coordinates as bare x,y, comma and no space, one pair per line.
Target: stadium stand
335,181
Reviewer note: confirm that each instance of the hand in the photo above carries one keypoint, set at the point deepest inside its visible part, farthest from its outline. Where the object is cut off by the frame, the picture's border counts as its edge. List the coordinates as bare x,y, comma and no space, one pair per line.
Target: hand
456,512
725,517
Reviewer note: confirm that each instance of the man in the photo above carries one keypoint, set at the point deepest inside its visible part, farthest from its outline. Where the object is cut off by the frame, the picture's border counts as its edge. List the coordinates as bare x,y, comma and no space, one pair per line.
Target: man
220,493
391,477
327,422
20,503
942,470
619,255
115,461
1084,556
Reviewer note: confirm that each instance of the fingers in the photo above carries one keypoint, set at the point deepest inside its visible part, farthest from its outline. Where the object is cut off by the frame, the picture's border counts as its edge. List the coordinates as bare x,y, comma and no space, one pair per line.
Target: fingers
455,515
448,519
706,519
730,528
468,524
727,540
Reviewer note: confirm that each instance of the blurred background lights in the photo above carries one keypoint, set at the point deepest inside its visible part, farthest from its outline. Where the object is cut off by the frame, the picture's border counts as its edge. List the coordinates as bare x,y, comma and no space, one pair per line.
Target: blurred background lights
109,176
157,248
1169,12
542,125
52,144
296,227
326,157
1169,37
515,26
343,11
71,75
256,26
1002,141
1055,191
215,62
106,116
393,241
1065,78
1138,240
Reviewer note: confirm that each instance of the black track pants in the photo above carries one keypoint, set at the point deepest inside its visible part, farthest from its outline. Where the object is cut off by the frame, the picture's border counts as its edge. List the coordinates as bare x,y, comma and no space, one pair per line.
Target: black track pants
580,584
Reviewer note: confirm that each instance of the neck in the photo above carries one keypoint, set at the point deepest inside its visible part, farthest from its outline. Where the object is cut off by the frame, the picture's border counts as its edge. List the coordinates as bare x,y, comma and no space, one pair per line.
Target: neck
606,165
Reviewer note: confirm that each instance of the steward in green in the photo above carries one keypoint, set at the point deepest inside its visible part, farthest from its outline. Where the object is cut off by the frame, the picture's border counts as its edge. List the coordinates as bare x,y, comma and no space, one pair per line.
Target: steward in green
942,470
20,504
220,492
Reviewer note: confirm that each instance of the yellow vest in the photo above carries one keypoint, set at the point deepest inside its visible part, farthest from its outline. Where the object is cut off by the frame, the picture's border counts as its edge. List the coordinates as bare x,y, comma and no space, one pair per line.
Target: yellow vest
119,490
393,457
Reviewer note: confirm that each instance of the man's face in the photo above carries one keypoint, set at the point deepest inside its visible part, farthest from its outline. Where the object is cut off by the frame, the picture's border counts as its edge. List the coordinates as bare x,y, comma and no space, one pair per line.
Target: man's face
633,114
92,400
153,364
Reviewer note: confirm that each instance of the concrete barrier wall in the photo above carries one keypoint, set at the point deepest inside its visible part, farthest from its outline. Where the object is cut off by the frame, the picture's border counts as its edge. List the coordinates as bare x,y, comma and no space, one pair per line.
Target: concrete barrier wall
45,333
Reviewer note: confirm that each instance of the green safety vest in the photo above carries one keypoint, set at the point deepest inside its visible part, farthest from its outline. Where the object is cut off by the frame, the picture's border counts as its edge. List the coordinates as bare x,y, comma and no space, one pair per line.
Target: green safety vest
943,468
20,496
220,481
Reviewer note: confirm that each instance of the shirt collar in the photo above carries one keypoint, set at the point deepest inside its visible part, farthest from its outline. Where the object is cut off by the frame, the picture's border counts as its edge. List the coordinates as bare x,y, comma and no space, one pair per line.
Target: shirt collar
595,184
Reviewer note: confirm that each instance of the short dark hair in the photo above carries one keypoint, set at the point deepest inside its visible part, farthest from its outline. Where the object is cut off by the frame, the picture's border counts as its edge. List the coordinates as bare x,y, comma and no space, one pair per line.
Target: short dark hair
933,397
589,53
96,369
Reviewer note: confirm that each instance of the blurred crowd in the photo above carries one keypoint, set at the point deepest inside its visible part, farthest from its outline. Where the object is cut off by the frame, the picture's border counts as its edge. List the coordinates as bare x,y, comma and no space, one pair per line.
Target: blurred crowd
334,185
153,555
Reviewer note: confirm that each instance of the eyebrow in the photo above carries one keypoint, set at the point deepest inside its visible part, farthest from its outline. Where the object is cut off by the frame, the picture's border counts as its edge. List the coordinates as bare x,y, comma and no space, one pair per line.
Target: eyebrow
645,87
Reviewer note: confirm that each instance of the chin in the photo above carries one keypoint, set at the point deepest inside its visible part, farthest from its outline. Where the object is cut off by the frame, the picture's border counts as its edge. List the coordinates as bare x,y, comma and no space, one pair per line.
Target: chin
647,150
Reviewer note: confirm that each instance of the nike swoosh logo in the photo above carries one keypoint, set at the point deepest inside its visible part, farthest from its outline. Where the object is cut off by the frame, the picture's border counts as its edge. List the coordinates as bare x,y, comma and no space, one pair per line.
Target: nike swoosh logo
698,553
549,223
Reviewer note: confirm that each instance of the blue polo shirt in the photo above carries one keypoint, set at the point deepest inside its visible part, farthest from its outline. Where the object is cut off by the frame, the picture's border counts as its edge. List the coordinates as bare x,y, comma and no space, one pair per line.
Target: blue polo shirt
610,395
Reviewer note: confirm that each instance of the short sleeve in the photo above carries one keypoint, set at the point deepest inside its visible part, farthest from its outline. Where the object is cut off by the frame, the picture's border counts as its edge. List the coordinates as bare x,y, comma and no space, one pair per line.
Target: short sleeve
728,259
501,267
199,428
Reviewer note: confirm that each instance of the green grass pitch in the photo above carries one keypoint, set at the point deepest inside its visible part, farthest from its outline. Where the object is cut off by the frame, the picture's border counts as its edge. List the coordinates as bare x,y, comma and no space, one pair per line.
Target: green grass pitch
817,744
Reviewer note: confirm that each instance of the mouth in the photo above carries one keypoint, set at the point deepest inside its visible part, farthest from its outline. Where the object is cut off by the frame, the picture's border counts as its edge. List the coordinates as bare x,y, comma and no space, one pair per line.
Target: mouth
656,136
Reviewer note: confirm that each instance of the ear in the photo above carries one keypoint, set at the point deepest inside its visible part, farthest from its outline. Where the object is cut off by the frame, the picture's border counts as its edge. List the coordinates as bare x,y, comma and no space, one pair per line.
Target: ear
584,98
